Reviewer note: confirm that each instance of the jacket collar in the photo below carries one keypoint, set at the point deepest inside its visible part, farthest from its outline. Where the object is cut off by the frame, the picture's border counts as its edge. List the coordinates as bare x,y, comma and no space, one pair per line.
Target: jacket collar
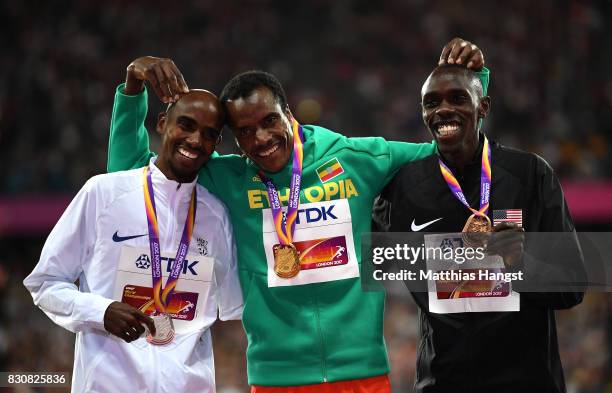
474,164
165,186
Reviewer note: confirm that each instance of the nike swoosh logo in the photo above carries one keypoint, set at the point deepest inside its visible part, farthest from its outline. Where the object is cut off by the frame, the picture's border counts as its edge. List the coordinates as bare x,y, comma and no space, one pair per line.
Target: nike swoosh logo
416,228
117,238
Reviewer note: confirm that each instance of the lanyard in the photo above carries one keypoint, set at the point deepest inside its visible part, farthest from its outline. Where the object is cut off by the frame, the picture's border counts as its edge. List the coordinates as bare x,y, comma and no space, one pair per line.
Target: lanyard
485,181
285,225
162,297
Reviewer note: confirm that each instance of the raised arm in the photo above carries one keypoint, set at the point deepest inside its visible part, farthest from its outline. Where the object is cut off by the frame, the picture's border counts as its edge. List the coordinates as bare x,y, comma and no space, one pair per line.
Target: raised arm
129,141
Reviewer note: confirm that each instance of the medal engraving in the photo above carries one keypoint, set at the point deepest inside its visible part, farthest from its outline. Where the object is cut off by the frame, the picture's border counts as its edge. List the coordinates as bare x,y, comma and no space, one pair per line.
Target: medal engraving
476,230
164,330
286,261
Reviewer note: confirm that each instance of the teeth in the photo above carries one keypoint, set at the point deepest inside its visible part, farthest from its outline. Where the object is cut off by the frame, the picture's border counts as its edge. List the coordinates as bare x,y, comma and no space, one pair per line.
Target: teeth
271,150
447,129
187,154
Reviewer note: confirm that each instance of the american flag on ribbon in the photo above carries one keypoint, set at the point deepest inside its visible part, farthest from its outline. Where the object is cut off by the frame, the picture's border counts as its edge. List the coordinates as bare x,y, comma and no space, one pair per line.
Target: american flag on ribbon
508,215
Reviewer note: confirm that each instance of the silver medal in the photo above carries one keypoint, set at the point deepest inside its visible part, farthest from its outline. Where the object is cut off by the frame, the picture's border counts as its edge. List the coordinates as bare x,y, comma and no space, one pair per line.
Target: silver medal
164,330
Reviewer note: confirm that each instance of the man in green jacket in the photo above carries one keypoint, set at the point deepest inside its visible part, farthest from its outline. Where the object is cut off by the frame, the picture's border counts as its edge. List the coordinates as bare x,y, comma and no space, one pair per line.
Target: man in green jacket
306,318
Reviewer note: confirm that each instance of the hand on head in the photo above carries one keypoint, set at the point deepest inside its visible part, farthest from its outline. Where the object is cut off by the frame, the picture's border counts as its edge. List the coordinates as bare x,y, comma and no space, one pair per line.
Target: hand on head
162,75
459,51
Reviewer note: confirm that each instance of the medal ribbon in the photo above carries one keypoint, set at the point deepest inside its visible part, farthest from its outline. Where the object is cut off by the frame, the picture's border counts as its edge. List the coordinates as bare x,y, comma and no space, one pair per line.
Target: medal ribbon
485,181
162,297
285,225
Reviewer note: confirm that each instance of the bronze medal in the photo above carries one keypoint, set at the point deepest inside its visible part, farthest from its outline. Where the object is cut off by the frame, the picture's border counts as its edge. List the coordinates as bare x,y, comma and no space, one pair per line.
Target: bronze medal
476,230
477,223
286,261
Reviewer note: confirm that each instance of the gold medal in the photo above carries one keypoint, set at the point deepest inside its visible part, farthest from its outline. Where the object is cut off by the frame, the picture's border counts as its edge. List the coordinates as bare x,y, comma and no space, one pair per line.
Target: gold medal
286,261
476,230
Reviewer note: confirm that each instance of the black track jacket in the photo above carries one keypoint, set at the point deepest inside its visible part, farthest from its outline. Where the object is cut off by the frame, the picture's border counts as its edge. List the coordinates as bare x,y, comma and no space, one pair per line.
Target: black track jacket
493,352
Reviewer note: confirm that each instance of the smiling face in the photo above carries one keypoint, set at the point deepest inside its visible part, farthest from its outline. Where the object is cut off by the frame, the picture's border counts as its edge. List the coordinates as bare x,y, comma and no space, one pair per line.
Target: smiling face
262,128
191,129
452,104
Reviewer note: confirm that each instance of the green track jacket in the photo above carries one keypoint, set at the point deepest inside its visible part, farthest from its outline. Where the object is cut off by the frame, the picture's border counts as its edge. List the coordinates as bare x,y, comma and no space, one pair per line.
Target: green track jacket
319,326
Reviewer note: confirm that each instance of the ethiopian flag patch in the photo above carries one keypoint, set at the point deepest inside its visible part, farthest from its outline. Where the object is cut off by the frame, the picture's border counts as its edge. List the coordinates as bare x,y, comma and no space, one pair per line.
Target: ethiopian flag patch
329,170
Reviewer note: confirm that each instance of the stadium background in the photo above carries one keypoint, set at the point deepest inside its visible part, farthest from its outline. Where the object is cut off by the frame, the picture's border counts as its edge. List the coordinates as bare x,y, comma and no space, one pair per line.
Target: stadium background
352,66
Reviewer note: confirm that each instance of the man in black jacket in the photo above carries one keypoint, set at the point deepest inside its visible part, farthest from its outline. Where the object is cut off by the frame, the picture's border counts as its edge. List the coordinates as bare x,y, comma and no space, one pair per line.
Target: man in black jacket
484,351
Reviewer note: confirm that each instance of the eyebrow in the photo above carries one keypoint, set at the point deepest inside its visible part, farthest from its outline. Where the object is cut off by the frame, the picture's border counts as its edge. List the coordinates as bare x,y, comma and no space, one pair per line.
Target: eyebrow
452,91
186,119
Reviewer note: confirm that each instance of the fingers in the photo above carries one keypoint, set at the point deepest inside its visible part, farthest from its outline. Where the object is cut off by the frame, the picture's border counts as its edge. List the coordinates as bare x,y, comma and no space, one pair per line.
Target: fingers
173,86
131,332
464,52
445,51
163,83
142,318
125,321
459,51
475,61
168,76
507,242
455,51
506,246
156,84
182,85
505,238
162,74
507,226
122,330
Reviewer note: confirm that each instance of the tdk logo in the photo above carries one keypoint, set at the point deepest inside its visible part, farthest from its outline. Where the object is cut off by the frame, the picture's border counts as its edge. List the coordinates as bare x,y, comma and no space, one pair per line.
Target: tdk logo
143,262
314,214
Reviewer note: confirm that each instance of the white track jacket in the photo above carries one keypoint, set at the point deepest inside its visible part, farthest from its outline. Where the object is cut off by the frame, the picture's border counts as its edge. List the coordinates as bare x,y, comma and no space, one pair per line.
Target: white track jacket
102,241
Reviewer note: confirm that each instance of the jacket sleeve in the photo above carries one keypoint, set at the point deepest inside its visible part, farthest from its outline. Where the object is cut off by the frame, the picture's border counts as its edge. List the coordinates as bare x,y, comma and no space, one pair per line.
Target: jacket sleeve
128,145
230,302
381,214
553,257
401,153
381,159
52,282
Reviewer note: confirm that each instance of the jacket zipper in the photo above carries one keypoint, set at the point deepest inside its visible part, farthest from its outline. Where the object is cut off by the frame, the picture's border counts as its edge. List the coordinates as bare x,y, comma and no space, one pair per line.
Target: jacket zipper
321,341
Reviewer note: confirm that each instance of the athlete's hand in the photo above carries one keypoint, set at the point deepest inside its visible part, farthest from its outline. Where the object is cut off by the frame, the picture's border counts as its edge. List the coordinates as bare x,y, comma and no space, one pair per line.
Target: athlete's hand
162,74
125,321
462,52
508,241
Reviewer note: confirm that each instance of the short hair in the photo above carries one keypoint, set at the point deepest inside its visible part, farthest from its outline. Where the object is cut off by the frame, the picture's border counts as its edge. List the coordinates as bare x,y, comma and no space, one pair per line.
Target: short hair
472,76
243,85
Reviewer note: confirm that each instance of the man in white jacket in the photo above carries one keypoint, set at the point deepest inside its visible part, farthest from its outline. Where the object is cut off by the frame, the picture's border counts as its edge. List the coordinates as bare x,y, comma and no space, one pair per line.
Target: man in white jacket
119,238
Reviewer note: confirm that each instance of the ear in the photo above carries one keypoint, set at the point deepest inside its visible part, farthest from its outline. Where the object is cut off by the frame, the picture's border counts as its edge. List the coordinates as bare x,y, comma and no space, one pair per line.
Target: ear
161,122
484,107
288,113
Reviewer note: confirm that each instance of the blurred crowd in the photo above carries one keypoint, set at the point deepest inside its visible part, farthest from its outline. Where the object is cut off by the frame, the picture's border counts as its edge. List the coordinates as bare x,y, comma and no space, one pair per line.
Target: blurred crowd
352,66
